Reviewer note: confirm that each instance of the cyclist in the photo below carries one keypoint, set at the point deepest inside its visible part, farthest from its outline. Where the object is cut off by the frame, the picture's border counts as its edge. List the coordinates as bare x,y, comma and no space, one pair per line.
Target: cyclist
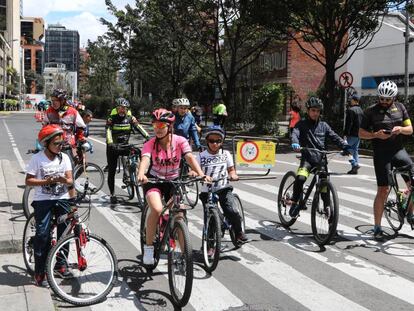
311,132
218,163
50,172
119,126
162,154
185,124
385,122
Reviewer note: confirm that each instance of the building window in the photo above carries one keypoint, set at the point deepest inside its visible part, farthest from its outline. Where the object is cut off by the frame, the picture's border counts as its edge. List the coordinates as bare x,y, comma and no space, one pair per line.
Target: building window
273,61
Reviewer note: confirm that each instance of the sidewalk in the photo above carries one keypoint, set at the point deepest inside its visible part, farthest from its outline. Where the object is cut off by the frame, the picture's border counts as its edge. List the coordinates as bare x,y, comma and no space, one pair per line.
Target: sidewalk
17,291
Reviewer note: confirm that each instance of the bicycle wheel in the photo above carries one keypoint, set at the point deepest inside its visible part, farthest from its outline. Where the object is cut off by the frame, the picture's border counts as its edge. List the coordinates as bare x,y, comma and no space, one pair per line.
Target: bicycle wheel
27,200
180,263
126,178
95,174
143,237
94,267
239,207
393,216
190,192
325,212
27,243
211,241
284,199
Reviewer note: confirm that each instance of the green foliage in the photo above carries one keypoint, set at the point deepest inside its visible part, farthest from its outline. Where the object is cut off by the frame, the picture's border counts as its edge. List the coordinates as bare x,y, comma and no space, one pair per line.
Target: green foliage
32,77
100,105
267,105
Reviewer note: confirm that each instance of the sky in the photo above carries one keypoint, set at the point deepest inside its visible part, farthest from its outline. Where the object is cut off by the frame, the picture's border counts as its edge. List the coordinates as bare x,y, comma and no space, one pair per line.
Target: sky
80,15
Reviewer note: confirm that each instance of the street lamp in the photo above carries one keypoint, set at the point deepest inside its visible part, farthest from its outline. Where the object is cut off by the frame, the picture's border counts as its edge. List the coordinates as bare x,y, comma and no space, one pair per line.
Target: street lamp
5,43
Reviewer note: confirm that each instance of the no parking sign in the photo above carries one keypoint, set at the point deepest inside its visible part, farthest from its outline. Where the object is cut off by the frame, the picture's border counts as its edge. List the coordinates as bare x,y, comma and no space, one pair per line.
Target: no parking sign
256,153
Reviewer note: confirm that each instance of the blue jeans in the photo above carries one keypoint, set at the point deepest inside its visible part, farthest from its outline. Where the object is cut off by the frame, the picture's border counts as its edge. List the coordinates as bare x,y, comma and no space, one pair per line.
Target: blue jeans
44,210
353,143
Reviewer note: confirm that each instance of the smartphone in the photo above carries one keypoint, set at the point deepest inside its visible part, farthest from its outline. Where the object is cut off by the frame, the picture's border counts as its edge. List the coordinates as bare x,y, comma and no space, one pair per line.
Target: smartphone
386,131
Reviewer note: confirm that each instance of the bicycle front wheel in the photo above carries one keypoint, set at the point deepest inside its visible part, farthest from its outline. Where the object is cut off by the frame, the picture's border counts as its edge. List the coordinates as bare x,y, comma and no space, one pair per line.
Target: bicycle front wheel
180,263
211,241
391,211
93,266
28,241
238,206
325,213
126,178
27,200
95,176
190,191
284,199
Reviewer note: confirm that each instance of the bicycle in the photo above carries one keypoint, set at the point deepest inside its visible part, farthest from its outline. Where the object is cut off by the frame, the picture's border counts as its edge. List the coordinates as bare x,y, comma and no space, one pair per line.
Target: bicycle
94,172
324,217
130,164
172,236
215,226
396,205
88,257
190,189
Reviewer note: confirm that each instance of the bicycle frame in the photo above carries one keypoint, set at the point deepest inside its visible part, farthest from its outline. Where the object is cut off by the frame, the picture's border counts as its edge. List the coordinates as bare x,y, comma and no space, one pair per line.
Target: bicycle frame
403,209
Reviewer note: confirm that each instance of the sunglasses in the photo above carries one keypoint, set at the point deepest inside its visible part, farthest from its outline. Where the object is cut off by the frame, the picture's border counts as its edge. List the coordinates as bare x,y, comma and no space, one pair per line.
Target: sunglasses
385,99
58,143
215,141
159,125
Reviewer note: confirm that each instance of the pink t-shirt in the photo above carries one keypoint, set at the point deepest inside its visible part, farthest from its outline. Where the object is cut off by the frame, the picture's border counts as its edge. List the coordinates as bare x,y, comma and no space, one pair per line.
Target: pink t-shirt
166,163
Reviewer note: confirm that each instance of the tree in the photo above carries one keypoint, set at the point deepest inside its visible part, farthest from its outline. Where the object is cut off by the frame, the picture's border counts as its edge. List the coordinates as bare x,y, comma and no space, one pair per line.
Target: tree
33,79
328,31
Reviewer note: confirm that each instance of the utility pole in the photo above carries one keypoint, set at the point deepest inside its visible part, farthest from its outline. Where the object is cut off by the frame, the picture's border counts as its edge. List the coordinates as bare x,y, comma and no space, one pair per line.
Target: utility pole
407,50
5,45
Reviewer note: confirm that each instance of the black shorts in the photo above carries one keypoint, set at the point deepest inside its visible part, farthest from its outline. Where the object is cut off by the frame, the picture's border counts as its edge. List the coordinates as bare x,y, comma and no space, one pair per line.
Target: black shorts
384,161
166,190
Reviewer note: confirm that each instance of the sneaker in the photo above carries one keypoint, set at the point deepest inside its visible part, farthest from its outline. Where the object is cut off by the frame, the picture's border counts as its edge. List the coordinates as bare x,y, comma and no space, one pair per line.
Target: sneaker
148,257
105,169
63,272
113,199
241,238
294,210
378,234
354,170
41,280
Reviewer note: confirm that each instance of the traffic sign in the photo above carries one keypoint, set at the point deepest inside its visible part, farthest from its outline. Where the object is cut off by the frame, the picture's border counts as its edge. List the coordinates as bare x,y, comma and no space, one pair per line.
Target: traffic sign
256,153
346,79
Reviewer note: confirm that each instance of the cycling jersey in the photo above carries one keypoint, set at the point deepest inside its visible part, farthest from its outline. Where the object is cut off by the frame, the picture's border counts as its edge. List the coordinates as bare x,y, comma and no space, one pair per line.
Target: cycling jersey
166,163
378,118
185,126
119,128
70,121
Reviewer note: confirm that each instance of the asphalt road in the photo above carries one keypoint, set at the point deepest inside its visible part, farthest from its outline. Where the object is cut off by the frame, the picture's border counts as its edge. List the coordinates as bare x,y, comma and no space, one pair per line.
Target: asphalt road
278,269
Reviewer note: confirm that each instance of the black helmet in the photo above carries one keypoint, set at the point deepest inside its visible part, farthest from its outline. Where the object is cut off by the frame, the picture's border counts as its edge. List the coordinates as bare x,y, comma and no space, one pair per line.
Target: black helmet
59,93
122,102
314,102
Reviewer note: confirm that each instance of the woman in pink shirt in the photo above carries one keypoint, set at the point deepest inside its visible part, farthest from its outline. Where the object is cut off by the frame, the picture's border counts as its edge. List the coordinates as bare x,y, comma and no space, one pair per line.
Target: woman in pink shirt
162,155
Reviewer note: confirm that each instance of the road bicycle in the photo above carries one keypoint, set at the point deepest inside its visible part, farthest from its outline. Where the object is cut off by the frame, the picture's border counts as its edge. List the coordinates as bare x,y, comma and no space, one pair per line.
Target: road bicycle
88,257
189,189
397,202
324,205
172,236
130,165
95,174
215,226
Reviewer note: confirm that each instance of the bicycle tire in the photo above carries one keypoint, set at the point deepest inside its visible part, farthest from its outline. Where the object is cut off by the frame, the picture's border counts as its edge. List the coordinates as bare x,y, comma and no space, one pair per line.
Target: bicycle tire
27,201
324,219
180,263
29,233
126,178
284,198
75,290
190,192
239,207
143,234
391,211
211,241
138,188
96,178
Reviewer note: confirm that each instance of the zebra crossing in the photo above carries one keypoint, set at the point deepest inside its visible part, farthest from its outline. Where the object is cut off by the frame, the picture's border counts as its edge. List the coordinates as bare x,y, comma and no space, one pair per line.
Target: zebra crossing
354,273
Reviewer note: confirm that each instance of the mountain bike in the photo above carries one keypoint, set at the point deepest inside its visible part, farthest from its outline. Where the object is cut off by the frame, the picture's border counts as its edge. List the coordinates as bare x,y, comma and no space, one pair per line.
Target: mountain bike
130,164
324,205
397,202
189,189
172,236
89,258
215,226
95,174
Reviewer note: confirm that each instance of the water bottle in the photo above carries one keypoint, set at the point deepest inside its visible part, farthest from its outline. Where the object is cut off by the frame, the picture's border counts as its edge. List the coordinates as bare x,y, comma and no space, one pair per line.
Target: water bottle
402,199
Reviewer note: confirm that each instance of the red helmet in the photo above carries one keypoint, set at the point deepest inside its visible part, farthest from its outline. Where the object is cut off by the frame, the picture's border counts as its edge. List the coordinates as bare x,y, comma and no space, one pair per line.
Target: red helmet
48,132
163,115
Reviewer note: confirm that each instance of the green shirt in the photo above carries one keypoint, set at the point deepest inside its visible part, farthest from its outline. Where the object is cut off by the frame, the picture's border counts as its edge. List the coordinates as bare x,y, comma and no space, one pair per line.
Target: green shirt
220,109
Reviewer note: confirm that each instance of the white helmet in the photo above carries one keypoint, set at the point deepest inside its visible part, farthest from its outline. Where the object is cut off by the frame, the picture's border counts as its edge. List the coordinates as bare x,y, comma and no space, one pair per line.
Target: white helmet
387,89
181,102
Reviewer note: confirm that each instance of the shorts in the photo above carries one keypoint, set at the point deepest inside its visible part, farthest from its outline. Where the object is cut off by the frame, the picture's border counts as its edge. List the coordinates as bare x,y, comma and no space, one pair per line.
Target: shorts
166,190
384,161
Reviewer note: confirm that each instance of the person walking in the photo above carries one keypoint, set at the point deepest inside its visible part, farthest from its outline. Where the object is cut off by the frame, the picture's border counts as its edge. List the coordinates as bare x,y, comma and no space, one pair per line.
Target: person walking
353,118
219,113
294,116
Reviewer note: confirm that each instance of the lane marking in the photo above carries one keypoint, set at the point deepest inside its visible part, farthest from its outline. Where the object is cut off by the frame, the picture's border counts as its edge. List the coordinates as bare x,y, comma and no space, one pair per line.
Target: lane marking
15,150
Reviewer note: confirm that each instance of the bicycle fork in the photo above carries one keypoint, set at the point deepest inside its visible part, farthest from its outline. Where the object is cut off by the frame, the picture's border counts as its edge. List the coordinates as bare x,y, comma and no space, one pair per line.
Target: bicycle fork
81,242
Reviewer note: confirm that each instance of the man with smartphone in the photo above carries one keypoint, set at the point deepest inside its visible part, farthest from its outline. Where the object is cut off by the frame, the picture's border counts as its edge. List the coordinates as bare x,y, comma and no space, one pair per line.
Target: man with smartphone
384,123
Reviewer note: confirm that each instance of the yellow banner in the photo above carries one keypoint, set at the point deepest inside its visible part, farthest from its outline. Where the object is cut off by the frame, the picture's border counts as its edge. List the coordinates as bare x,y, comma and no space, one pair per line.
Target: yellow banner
256,153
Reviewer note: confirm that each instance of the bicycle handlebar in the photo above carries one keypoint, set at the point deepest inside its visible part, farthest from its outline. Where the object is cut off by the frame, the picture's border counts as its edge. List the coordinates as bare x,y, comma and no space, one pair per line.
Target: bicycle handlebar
320,151
175,182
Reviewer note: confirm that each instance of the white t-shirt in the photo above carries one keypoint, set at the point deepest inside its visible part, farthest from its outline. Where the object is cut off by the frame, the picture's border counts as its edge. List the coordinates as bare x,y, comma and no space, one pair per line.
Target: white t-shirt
215,165
41,167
